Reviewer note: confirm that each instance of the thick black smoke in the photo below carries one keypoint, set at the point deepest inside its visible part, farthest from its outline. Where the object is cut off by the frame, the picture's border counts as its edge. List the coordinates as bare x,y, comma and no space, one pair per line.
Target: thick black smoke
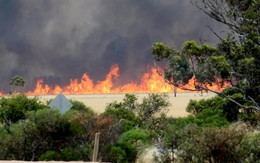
62,39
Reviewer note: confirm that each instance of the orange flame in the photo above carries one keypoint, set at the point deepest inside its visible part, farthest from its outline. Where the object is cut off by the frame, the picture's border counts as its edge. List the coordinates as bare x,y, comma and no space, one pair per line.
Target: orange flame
151,82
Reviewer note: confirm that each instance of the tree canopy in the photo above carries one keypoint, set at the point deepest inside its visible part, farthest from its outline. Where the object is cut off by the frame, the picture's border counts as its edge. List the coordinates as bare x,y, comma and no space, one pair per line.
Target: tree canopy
235,60
17,81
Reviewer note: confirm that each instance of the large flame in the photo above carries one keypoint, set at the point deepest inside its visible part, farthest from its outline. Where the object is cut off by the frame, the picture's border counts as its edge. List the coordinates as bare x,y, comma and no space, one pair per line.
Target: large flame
151,82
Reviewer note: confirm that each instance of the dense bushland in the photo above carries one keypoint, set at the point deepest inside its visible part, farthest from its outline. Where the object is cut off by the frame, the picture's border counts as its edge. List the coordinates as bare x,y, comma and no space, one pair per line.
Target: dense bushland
126,128
222,129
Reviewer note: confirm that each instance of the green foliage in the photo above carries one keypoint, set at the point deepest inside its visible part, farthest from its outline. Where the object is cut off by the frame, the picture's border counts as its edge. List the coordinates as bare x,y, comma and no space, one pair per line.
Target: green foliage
138,137
235,59
137,114
157,126
222,67
252,119
151,106
206,118
20,145
81,107
50,156
67,137
176,135
229,111
123,113
43,130
50,124
120,114
77,116
212,144
130,102
118,111
126,129
14,108
177,131
179,71
249,148
233,143
160,50
135,136
211,118
66,154
121,152
196,107
17,81
117,154
71,154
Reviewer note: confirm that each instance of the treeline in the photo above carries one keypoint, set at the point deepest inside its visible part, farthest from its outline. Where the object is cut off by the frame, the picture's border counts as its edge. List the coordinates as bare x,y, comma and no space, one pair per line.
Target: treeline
30,130
224,129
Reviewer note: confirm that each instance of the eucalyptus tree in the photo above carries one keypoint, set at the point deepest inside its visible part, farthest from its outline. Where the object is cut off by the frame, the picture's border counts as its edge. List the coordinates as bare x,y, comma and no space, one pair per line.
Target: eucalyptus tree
235,61
16,81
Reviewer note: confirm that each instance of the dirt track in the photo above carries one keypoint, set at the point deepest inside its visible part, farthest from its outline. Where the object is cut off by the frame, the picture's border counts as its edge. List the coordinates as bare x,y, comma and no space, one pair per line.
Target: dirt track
98,102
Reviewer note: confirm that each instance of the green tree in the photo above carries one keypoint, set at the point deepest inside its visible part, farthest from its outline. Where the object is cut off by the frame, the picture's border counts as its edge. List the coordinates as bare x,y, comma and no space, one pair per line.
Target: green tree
53,130
151,106
133,122
50,156
14,108
249,148
124,118
83,124
235,60
138,114
120,152
16,81
194,107
81,107
212,145
176,131
39,132
138,137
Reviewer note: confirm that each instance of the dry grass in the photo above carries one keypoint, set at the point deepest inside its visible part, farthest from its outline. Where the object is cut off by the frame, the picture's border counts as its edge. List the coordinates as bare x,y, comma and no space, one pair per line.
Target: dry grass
98,102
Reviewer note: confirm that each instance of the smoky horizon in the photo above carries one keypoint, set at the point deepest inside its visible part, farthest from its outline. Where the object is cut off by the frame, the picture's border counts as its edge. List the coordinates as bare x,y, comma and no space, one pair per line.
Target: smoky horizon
61,40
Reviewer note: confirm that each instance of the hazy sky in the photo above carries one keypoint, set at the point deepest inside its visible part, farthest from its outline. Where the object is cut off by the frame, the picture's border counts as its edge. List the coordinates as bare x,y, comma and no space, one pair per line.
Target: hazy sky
56,40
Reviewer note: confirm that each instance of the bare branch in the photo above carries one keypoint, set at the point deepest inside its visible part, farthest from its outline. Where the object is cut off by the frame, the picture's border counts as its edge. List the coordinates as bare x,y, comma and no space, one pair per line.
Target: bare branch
219,11
215,33
202,88
232,100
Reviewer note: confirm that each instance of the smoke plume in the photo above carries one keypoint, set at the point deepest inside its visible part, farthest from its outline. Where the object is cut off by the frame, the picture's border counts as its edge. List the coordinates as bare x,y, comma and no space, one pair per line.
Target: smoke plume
62,39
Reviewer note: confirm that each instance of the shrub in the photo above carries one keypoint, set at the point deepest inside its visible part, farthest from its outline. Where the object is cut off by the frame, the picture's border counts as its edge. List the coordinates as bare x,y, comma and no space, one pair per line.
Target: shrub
249,148
212,145
50,156
14,108
121,152
81,107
